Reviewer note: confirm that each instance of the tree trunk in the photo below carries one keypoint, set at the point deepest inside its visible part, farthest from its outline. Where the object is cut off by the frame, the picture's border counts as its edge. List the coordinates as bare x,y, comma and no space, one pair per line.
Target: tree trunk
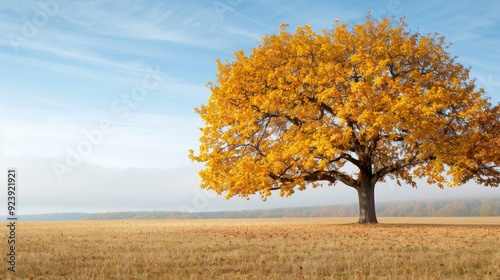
366,196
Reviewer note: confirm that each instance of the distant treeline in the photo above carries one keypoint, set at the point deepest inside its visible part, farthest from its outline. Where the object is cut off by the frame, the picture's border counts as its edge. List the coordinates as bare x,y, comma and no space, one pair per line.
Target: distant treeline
461,208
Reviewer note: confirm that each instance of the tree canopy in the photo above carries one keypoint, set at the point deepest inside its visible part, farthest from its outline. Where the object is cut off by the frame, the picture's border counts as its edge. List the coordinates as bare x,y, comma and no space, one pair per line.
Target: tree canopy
355,104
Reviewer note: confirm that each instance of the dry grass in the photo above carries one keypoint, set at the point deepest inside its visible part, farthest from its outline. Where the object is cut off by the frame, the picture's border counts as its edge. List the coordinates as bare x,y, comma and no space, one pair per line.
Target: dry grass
327,248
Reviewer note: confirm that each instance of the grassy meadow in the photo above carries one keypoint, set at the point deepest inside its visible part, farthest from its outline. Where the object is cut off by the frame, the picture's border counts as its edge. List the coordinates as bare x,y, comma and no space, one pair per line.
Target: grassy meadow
319,248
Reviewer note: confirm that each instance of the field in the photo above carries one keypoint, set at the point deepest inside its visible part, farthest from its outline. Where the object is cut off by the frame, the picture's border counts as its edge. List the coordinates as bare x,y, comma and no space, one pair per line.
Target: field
326,248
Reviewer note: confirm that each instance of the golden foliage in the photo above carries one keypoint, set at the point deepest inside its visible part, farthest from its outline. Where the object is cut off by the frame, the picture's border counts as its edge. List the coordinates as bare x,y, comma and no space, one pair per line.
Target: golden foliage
353,105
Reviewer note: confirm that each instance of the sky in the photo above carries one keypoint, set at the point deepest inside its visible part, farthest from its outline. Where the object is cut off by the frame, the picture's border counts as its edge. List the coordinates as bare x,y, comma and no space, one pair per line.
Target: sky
97,97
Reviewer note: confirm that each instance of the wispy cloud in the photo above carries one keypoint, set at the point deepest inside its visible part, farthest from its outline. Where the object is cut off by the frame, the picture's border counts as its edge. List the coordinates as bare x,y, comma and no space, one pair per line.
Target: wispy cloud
142,141
192,23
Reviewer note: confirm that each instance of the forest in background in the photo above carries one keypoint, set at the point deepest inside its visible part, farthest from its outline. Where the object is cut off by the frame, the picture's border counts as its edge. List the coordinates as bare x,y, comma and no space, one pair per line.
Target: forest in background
444,208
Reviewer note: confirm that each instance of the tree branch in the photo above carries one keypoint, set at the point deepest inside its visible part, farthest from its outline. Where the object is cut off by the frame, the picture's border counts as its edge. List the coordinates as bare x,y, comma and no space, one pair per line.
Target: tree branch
400,165
296,121
350,159
331,176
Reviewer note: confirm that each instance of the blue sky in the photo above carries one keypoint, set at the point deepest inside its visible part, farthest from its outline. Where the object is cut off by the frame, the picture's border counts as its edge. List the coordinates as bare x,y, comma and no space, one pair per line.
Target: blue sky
115,82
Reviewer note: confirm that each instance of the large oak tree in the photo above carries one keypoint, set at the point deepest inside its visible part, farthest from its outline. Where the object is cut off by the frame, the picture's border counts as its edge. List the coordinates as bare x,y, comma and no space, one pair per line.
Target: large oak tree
355,105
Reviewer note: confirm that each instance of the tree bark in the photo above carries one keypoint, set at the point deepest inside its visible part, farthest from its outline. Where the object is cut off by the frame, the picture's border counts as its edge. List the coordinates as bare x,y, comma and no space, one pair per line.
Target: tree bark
366,196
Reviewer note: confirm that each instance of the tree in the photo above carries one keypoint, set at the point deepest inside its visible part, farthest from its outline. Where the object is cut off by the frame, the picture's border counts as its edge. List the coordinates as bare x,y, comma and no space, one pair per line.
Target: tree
355,105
